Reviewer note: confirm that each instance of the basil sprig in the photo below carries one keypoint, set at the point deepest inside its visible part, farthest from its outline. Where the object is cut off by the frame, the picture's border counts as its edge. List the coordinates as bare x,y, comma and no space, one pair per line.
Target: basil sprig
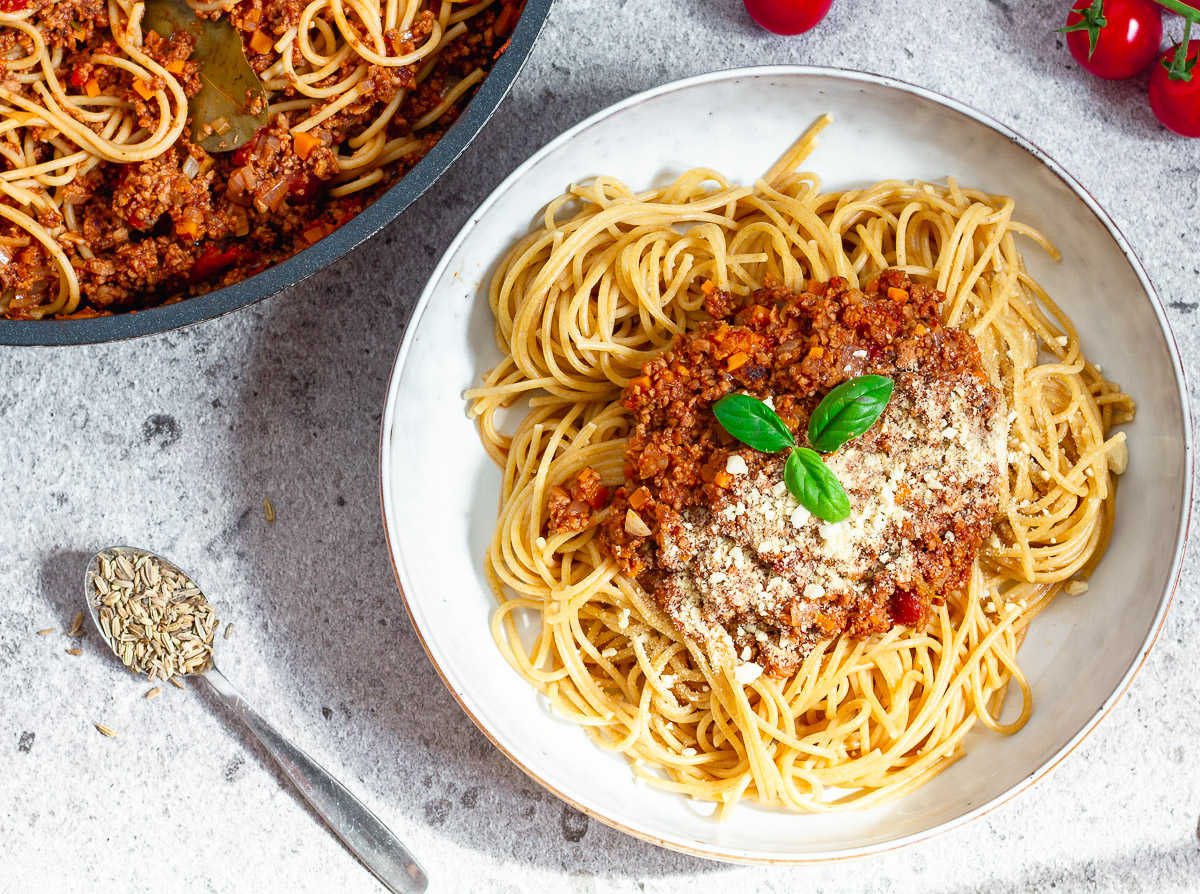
844,413
847,411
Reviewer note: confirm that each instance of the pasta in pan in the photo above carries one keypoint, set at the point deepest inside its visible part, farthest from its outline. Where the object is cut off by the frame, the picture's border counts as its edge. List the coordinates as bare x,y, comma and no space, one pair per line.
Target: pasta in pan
153,149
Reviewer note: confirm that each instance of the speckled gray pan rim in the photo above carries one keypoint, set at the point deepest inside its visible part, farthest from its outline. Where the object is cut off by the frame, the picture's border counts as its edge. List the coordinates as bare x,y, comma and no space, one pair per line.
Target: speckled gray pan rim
334,246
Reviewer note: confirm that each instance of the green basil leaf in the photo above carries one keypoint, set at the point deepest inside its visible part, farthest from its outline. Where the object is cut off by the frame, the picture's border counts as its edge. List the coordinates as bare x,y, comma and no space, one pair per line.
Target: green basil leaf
752,422
228,85
815,486
847,411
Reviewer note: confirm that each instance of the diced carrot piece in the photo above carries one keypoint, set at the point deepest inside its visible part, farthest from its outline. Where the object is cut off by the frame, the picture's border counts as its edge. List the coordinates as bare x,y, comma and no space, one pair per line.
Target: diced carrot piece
722,479
144,90
92,88
737,360
260,43
254,16
504,21
640,497
188,228
175,66
318,232
707,287
304,143
816,351
897,294
642,382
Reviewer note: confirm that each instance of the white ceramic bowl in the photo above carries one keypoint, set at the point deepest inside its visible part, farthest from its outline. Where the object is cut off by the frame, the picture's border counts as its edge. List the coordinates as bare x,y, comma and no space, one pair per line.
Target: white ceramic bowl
440,490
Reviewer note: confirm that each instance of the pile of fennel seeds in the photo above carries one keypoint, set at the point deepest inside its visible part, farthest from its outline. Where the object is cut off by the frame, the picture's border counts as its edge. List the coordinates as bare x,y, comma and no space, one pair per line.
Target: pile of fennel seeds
153,617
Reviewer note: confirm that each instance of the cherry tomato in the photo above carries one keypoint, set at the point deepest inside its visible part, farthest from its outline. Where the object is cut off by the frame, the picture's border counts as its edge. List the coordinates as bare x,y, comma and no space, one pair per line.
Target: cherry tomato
788,16
1127,35
1176,103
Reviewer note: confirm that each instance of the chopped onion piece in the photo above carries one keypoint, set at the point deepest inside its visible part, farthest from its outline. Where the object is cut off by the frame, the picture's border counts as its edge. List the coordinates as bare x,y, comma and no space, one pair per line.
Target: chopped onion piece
242,223
275,195
634,524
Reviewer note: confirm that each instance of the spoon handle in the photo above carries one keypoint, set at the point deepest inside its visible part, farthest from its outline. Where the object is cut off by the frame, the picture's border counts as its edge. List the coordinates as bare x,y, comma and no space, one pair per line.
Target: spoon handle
358,828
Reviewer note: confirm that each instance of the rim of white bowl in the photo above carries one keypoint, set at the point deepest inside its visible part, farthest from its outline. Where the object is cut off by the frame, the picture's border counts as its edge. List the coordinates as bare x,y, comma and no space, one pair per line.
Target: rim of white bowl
739,855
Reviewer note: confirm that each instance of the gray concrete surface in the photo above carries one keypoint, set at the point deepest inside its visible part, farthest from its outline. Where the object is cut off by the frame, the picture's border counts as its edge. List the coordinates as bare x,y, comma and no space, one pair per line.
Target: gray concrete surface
172,442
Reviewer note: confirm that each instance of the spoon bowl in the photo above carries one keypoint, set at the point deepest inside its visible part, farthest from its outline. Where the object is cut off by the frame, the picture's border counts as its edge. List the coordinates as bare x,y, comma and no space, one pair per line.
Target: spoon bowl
165,623
159,589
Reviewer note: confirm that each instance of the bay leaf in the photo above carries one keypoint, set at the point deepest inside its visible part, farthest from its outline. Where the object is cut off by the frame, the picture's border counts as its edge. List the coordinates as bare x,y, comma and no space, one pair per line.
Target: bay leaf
229,86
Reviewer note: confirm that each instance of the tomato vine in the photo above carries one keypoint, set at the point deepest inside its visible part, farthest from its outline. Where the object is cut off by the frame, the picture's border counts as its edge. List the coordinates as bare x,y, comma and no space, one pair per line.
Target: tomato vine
1117,39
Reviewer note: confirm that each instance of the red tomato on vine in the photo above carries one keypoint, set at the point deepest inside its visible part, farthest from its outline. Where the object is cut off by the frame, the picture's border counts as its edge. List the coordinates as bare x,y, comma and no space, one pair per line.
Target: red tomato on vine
1175,90
1114,39
788,16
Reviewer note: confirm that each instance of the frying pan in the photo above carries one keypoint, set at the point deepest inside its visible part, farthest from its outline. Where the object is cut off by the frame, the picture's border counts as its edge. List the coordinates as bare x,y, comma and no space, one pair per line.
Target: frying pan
341,241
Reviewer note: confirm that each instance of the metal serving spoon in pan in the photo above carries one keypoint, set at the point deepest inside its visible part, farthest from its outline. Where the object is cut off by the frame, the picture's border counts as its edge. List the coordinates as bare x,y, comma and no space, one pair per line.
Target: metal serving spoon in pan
157,621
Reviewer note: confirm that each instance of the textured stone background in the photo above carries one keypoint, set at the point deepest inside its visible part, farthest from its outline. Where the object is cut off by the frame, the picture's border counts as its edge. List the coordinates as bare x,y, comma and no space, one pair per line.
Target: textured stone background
172,442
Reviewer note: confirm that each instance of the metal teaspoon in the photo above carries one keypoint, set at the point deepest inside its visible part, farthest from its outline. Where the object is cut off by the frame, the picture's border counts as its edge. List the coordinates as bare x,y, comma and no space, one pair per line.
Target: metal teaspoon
358,828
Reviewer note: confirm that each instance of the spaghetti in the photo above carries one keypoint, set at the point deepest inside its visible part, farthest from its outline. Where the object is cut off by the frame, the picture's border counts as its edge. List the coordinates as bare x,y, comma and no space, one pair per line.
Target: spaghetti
605,284
109,200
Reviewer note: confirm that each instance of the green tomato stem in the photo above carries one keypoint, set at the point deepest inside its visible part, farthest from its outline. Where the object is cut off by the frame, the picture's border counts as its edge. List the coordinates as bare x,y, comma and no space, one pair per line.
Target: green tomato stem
1179,69
1188,12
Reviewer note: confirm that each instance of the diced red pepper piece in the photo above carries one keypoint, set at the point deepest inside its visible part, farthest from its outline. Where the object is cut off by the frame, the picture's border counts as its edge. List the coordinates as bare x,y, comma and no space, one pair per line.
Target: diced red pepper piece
241,154
907,608
303,187
215,261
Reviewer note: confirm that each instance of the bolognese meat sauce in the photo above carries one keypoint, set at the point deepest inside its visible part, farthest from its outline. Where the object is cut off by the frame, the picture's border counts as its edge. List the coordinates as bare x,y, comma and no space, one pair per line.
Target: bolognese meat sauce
708,524
187,220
